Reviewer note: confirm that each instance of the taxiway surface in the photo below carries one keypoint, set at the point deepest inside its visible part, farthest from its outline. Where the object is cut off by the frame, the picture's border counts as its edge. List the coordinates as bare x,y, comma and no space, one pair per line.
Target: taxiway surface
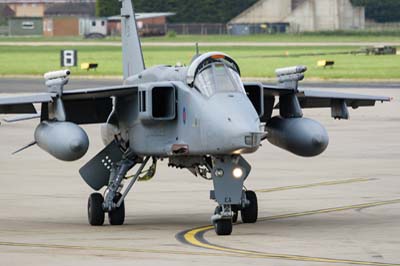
341,208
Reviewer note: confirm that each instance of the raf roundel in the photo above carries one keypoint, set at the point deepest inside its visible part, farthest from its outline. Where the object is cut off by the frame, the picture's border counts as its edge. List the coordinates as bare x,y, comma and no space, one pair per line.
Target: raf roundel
184,115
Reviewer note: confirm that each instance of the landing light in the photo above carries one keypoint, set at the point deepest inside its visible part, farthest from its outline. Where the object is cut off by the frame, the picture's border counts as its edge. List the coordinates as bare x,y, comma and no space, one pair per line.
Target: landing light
237,172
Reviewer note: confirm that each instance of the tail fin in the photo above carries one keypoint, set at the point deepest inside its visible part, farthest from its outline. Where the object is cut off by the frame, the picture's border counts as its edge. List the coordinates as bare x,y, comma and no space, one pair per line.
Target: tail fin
132,56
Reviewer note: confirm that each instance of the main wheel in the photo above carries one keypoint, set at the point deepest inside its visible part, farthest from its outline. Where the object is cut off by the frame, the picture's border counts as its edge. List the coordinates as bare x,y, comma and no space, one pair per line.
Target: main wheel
95,209
250,213
235,210
117,216
235,216
223,227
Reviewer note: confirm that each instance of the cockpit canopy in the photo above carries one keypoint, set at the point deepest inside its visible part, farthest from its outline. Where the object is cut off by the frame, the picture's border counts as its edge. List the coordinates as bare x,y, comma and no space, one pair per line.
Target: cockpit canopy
212,73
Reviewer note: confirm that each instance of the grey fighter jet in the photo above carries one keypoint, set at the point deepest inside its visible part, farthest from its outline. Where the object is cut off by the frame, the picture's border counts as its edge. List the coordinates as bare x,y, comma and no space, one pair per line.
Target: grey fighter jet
202,118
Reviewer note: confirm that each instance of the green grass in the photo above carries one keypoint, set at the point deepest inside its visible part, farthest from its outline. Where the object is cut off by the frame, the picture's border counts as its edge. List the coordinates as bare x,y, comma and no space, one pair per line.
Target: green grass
254,61
309,37
351,36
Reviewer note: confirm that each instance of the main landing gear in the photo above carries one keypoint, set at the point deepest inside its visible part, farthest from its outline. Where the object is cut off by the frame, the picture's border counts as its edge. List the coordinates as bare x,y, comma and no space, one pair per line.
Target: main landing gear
96,212
113,200
228,174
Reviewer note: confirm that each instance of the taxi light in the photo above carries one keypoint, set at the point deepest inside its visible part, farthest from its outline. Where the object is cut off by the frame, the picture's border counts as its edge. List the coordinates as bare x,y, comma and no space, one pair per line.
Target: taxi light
237,172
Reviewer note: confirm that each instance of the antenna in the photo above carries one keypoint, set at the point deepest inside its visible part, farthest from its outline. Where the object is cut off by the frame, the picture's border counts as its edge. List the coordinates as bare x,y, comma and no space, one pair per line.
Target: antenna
197,52
197,49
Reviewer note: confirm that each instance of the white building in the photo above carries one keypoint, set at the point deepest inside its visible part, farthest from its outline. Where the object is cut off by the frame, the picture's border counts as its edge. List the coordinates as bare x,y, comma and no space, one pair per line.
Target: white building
303,15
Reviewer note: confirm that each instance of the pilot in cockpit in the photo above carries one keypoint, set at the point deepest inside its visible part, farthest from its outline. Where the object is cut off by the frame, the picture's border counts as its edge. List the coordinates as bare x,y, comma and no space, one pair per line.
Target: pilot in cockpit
217,76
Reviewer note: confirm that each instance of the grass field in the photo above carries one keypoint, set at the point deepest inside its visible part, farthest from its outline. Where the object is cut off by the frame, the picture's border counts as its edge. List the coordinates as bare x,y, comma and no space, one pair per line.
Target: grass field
310,37
305,37
258,62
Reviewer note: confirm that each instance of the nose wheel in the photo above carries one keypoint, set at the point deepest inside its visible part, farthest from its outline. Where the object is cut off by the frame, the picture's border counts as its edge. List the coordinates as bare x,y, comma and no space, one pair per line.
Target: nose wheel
250,212
225,215
222,220
223,227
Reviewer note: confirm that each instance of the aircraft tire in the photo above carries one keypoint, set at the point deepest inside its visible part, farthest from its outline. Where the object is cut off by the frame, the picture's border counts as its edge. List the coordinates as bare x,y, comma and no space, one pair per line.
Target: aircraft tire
117,216
95,209
223,227
235,216
250,213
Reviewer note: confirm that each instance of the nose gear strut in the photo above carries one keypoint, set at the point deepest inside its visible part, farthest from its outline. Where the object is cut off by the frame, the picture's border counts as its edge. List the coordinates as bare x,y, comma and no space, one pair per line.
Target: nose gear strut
228,175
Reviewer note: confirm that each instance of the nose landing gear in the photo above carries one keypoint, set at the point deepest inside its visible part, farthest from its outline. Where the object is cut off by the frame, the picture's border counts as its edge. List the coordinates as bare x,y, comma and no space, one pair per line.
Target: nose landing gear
223,220
228,174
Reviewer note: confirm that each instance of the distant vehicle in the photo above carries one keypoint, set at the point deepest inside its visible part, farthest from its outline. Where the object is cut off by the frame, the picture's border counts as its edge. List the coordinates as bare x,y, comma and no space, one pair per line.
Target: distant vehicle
202,118
380,50
93,28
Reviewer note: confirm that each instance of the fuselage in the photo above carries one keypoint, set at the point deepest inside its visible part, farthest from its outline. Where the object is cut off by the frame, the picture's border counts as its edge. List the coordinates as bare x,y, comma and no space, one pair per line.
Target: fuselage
224,122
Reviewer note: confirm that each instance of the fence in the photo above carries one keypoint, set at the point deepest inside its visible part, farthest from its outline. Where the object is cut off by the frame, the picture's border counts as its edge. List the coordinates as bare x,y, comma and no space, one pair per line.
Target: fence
179,28
373,26
4,30
198,28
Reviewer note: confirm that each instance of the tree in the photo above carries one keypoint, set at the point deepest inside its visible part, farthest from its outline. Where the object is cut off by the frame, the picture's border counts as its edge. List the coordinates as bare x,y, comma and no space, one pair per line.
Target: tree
196,11
380,10
107,8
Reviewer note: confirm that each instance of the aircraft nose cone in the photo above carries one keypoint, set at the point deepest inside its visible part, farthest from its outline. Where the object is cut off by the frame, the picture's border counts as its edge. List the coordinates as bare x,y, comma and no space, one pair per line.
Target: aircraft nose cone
231,122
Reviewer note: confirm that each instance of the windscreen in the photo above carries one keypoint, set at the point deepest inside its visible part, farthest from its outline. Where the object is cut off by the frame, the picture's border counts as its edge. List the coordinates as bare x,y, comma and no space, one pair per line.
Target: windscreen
216,77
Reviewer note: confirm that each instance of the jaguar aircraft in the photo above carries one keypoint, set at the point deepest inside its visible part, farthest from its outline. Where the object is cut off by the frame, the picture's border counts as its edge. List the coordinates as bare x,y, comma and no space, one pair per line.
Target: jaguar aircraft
200,117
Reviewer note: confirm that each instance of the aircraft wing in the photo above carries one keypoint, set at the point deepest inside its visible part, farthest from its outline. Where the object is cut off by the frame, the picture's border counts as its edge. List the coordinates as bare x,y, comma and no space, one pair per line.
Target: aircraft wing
23,104
83,106
91,106
338,102
270,90
98,93
321,99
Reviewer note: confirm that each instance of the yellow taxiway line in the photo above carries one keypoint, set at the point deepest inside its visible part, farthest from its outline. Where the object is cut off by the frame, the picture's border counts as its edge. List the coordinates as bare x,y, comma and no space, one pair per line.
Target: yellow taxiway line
326,183
195,237
109,249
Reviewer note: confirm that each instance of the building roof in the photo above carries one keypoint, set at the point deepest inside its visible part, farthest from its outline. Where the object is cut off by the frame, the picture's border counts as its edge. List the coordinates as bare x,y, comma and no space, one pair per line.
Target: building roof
141,16
71,9
26,18
7,12
276,11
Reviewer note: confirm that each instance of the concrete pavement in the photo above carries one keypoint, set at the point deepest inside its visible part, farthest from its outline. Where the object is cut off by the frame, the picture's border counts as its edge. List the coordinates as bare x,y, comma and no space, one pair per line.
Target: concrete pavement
342,208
